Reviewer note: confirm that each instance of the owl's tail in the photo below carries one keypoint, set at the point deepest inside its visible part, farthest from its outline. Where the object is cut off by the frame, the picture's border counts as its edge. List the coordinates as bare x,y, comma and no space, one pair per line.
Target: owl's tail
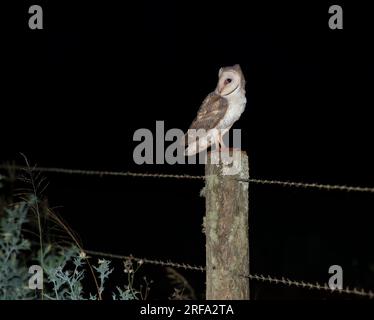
195,148
198,141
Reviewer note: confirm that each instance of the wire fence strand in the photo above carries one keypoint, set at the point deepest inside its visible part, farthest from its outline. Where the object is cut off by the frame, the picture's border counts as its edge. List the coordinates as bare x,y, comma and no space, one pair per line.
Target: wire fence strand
185,266
102,173
313,286
289,184
255,277
318,186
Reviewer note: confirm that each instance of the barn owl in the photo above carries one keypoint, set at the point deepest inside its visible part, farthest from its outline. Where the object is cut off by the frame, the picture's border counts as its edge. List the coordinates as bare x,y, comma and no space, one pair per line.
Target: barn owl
218,112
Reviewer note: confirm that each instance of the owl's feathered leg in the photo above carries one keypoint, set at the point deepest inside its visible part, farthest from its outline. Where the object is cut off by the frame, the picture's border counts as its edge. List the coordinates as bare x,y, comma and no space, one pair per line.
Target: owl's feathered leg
223,146
215,146
220,139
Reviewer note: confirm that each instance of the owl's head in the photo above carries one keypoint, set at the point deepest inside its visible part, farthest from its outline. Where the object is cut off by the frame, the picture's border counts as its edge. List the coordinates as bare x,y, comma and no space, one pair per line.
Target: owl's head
230,79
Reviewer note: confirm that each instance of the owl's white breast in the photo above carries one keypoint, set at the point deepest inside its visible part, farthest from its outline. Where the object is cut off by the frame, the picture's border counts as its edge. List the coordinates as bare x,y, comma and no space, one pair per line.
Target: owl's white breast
237,102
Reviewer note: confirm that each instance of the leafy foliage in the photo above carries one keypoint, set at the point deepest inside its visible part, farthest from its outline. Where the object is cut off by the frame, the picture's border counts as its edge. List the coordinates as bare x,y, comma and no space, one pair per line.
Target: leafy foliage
66,283
104,271
13,272
63,267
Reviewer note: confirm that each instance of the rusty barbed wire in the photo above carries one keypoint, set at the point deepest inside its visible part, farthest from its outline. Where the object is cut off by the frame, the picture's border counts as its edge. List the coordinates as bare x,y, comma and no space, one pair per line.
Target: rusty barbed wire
257,277
102,173
185,266
308,285
319,186
292,184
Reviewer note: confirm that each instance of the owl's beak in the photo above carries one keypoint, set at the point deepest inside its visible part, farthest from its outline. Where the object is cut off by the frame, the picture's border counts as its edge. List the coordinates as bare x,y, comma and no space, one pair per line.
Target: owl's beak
220,88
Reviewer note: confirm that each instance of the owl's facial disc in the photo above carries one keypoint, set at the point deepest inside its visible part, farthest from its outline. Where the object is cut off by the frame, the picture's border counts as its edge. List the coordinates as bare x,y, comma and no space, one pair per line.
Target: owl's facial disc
228,82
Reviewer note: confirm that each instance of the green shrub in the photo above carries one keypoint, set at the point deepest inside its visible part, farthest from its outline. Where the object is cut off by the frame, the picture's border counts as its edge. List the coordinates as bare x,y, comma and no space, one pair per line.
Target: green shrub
63,267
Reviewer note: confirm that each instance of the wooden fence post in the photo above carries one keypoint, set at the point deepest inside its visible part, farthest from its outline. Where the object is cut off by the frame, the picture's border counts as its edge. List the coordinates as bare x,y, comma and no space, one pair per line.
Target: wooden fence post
226,229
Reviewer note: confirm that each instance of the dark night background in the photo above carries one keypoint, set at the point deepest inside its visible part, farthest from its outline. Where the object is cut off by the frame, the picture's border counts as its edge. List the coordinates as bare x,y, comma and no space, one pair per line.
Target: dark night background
73,94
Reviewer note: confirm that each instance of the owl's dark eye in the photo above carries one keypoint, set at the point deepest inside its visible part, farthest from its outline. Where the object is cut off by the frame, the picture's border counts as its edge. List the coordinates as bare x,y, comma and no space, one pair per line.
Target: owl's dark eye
227,81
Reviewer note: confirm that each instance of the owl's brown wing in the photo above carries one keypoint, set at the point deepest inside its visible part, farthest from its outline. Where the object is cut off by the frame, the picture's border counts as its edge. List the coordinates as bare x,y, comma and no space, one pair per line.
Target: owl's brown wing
211,112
